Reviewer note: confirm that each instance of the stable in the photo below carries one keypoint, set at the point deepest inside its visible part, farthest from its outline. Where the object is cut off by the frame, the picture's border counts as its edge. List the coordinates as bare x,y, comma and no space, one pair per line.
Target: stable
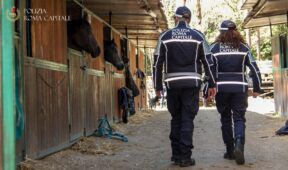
268,13
62,90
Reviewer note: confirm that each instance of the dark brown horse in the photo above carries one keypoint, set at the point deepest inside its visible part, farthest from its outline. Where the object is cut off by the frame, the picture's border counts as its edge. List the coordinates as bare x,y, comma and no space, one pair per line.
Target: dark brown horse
130,83
80,37
111,54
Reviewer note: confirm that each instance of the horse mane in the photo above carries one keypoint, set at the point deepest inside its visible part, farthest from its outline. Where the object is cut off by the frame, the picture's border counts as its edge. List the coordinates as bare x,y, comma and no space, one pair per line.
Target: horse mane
76,24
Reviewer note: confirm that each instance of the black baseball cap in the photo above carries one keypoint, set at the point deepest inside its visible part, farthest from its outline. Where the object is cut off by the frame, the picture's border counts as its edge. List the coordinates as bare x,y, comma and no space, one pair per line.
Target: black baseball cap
227,25
183,11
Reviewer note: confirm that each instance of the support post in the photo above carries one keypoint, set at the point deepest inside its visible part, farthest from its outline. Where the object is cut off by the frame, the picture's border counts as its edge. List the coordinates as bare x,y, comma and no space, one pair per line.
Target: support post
271,32
137,55
287,19
8,89
145,60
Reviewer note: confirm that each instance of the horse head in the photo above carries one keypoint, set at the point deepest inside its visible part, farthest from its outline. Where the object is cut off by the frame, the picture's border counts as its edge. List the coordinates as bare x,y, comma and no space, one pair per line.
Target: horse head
80,37
124,49
130,83
111,54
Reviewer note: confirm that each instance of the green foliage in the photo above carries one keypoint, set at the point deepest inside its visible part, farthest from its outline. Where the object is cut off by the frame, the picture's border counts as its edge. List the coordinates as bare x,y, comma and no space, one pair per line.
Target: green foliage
169,7
254,53
266,50
214,12
279,29
149,65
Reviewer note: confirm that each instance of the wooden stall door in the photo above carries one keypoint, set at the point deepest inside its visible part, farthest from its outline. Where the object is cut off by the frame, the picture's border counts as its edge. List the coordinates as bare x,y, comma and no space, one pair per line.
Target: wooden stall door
46,84
77,90
46,107
118,82
95,82
109,86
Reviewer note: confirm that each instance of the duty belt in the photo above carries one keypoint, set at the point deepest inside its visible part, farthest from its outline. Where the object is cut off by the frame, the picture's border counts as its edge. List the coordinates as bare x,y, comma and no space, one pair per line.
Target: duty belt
181,75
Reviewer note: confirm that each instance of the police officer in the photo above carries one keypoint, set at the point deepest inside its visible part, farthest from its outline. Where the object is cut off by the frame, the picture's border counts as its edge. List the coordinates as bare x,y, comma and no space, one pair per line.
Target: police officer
182,49
231,56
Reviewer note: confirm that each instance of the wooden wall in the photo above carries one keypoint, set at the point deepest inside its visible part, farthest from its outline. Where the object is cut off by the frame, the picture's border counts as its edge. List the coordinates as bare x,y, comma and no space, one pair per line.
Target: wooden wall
49,37
97,30
140,101
143,91
62,101
280,80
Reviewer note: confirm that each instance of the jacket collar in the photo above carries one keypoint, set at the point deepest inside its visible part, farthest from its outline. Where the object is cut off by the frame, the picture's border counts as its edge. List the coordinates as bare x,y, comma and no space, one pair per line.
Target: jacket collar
182,24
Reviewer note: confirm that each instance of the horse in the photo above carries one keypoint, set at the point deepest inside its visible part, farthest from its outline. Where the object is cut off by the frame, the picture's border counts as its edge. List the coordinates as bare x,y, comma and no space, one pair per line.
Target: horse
111,54
130,83
80,37
123,43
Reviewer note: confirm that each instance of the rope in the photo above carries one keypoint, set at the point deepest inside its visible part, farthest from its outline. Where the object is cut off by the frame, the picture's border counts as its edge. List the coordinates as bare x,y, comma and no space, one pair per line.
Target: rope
19,106
48,84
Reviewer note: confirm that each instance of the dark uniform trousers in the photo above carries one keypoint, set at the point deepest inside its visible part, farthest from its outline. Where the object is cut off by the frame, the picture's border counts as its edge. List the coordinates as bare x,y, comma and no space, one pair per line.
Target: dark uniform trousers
232,105
183,104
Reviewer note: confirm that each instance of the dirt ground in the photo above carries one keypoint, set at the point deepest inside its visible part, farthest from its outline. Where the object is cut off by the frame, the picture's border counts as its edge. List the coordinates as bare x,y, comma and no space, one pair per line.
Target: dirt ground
149,146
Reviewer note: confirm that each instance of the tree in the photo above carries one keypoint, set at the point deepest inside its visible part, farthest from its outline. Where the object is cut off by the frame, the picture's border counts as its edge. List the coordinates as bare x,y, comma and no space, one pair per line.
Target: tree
169,7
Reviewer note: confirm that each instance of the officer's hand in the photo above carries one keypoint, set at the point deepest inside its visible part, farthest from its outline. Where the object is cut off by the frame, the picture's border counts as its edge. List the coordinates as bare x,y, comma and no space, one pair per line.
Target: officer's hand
211,92
255,94
158,94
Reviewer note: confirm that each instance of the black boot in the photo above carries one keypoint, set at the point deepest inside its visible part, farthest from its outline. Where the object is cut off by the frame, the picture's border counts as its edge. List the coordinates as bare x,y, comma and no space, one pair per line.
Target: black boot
187,162
176,160
229,154
239,152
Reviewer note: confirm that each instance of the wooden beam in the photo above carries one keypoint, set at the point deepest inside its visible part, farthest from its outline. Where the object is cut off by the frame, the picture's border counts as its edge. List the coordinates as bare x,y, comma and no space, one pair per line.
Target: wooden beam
136,26
144,38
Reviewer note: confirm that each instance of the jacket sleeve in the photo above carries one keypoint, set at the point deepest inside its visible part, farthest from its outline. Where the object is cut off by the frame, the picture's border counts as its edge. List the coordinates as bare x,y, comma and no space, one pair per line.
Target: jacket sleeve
159,59
255,72
208,62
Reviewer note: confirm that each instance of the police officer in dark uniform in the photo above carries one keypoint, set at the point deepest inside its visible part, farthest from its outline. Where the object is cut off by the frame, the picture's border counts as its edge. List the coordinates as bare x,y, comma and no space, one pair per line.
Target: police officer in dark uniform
231,56
182,50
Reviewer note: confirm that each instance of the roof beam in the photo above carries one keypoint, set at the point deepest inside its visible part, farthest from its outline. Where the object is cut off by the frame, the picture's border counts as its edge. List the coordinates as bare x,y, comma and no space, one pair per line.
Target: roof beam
148,9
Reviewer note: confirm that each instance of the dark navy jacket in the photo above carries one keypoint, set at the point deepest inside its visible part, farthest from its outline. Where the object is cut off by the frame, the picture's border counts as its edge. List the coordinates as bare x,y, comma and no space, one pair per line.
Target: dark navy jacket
183,51
231,68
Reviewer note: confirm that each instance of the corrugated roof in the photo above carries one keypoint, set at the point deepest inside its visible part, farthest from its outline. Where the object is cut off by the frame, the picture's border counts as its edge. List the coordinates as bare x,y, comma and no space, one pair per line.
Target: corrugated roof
248,4
266,12
142,18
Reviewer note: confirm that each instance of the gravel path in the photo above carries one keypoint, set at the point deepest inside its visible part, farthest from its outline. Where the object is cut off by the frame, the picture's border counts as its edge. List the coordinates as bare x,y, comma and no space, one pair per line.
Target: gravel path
149,146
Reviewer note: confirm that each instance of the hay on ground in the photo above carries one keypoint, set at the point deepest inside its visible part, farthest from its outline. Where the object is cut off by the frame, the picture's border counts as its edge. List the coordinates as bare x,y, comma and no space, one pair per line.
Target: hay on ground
89,146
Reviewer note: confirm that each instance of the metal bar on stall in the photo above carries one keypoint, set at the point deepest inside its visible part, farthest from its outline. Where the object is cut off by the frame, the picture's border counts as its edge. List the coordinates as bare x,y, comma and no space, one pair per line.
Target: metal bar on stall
127,45
270,25
126,31
137,55
8,88
145,60
110,17
287,19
